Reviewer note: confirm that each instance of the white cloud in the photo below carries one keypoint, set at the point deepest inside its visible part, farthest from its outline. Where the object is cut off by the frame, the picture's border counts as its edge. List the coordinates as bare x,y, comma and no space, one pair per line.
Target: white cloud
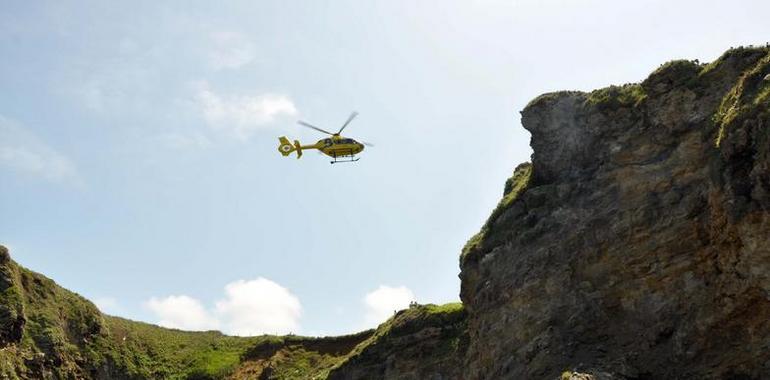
121,87
230,50
382,302
182,312
254,307
242,115
258,306
21,151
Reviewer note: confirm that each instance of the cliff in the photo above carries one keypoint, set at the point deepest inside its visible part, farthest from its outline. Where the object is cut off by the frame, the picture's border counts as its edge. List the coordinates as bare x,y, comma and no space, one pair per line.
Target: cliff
422,342
637,243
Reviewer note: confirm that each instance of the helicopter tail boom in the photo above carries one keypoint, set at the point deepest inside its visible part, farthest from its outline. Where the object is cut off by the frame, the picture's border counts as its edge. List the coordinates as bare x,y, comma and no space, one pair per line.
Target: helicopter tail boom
286,147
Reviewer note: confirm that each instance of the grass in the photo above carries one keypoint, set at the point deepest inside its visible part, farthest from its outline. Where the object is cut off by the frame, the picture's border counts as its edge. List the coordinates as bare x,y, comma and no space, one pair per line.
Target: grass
417,317
452,308
11,300
678,68
298,363
66,336
748,98
739,52
514,187
386,338
297,357
146,350
61,327
549,96
614,97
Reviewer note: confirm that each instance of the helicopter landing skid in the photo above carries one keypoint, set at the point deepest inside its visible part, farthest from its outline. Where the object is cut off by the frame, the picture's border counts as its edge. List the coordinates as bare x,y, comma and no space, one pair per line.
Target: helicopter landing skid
341,161
351,157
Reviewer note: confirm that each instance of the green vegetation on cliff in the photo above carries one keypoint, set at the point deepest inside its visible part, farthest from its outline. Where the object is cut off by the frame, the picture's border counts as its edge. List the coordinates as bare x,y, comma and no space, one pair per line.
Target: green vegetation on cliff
613,97
514,186
419,342
749,98
297,357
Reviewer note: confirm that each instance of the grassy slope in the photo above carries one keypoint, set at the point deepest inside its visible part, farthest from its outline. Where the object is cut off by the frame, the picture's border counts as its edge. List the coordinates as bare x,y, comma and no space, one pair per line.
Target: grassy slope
47,331
65,336
149,351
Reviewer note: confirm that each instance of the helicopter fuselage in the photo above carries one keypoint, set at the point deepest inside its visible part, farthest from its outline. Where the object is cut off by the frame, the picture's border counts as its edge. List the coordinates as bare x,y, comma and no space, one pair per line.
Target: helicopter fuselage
337,146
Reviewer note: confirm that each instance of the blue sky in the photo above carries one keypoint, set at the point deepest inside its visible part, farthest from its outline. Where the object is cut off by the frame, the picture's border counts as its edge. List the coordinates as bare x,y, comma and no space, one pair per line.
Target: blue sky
138,141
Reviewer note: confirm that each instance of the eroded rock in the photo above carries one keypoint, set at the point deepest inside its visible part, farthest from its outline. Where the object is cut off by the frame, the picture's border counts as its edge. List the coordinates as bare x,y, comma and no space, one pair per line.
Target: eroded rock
640,247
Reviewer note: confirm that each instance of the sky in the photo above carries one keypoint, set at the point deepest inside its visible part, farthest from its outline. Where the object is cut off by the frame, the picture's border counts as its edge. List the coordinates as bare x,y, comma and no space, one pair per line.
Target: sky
138,142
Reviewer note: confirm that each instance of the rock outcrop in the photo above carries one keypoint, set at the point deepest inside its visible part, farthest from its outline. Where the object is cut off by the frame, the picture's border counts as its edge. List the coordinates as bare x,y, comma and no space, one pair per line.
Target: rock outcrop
424,342
637,243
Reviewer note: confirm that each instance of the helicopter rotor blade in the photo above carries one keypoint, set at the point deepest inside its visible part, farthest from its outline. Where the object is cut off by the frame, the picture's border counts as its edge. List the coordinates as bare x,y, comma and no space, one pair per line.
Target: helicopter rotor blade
311,126
367,144
350,118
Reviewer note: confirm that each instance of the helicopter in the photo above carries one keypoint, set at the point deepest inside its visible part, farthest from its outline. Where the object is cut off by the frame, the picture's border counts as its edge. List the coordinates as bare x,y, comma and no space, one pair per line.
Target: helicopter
341,149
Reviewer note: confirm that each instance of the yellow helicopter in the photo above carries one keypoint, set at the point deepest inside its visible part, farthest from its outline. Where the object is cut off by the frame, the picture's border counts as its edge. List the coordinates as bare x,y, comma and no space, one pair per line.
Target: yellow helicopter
341,149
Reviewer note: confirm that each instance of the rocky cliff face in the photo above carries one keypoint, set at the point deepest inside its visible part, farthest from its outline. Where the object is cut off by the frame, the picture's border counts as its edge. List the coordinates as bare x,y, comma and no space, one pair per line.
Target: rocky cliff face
637,243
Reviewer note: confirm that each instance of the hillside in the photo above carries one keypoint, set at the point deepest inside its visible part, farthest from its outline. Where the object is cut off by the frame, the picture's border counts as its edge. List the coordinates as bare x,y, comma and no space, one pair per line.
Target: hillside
47,332
635,245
